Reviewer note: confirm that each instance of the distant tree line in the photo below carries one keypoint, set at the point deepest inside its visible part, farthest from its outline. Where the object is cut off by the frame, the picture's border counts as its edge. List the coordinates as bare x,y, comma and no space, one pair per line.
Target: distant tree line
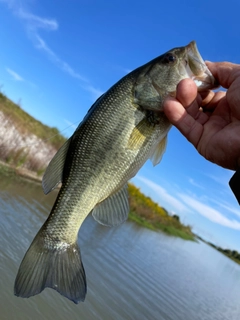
233,254
230,253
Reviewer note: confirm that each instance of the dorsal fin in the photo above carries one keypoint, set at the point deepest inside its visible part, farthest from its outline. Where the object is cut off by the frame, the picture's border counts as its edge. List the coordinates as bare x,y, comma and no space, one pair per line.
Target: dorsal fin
53,174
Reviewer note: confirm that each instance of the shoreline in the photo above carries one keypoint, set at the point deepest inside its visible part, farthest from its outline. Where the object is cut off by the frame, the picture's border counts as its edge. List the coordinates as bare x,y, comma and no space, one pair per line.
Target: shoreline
7,169
171,230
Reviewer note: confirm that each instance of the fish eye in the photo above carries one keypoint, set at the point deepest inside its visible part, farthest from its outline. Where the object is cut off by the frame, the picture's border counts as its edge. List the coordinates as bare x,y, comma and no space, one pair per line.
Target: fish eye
169,58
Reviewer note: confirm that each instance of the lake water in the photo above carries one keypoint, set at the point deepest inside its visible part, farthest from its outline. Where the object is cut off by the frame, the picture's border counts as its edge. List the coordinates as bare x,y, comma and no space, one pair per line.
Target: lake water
132,272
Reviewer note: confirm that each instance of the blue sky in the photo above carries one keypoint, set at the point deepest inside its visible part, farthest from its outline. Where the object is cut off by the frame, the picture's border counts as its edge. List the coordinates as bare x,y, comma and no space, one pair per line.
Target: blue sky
58,56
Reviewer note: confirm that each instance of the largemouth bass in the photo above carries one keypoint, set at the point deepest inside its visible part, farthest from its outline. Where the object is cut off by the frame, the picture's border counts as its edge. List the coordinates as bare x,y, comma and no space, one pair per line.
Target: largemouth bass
124,128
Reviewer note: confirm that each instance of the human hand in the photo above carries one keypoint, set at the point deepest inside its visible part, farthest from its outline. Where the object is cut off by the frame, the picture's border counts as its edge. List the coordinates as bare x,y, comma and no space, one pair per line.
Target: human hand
210,120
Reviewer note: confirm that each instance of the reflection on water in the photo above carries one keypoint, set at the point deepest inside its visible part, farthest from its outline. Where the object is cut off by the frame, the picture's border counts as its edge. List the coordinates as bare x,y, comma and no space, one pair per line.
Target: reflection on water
132,273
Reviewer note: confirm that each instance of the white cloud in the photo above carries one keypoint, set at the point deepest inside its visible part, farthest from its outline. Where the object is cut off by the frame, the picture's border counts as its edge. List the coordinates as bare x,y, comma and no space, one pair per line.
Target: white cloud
195,184
96,93
41,45
14,75
209,212
222,179
226,206
34,22
164,195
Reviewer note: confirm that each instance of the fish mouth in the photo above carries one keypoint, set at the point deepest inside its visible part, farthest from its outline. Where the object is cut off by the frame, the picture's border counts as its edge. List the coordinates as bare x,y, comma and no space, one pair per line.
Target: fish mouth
197,69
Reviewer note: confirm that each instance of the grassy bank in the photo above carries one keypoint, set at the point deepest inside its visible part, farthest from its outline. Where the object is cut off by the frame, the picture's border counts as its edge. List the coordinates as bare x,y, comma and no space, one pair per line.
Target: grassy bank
7,171
168,229
147,213
26,123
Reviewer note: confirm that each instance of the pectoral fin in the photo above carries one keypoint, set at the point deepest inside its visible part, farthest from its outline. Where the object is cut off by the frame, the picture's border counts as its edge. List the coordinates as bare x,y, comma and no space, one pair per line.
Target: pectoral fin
53,174
159,151
113,210
140,134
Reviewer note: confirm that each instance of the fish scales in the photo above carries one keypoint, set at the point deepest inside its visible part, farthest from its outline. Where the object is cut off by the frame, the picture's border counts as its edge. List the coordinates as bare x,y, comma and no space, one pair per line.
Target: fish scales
111,149
124,127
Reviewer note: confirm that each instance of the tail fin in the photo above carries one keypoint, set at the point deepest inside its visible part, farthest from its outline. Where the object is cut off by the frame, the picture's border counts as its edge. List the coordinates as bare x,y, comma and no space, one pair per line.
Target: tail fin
57,266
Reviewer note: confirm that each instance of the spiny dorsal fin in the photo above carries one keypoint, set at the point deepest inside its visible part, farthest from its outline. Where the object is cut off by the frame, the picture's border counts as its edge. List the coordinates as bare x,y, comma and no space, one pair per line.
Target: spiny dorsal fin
113,210
159,151
53,174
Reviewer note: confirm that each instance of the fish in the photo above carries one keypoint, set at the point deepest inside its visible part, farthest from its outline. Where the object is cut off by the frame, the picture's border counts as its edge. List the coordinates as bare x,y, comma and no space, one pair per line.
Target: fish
124,128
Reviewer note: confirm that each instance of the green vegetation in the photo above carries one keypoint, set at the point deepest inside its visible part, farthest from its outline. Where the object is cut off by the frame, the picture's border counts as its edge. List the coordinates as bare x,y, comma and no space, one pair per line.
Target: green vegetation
6,170
25,123
232,254
147,213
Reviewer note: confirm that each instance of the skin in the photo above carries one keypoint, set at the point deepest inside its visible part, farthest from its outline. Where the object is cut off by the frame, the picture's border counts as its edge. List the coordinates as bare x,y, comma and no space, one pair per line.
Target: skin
210,120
